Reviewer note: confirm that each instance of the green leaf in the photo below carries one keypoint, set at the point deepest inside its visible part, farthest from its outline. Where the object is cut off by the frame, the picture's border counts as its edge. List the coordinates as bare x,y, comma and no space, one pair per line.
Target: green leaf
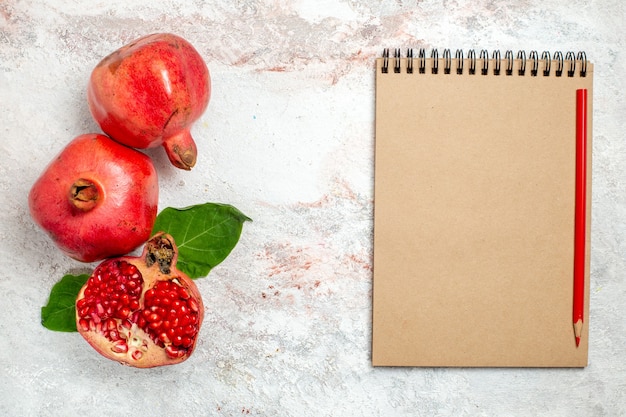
60,312
205,234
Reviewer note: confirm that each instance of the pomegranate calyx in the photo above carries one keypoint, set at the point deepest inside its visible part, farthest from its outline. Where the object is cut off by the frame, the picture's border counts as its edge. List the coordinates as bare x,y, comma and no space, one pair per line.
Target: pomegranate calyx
181,149
84,194
160,249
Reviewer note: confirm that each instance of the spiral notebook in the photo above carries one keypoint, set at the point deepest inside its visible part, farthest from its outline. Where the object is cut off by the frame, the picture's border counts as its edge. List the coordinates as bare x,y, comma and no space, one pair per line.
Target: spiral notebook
475,167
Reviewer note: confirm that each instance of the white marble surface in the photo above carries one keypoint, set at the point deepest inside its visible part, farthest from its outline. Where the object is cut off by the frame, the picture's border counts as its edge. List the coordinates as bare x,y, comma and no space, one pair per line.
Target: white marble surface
288,139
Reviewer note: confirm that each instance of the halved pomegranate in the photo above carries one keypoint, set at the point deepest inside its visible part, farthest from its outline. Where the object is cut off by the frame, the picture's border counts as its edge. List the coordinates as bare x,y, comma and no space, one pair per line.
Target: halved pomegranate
141,311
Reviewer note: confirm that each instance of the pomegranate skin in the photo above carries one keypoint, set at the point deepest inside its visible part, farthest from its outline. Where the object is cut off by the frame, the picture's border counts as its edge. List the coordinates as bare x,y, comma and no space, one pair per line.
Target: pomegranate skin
96,199
149,92
121,320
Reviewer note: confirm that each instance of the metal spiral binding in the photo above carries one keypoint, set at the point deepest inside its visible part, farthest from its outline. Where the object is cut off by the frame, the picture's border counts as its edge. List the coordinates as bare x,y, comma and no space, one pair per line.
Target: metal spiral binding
409,64
484,56
508,55
545,56
396,58
422,64
521,55
459,61
435,57
582,57
472,61
447,61
496,58
562,65
535,58
385,67
558,56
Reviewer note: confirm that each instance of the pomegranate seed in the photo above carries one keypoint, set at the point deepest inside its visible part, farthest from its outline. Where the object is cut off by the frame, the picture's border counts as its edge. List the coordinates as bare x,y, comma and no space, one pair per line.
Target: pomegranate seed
186,342
95,319
155,325
84,324
182,293
153,317
137,355
123,312
110,324
189,329
124,299
126,268
174,352
188,319
120,347
193,305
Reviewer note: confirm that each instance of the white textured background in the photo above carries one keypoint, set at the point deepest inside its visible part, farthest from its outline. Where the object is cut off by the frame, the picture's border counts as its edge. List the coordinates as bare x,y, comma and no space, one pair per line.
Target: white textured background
288,139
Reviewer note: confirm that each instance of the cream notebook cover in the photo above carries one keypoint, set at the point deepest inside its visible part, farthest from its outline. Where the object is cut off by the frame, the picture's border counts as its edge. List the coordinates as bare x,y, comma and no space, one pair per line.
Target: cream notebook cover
474,210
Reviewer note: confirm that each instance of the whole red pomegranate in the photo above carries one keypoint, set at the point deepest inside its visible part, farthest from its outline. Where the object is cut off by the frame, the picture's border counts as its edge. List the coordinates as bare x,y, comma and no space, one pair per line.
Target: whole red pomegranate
96,199
149,93
141,311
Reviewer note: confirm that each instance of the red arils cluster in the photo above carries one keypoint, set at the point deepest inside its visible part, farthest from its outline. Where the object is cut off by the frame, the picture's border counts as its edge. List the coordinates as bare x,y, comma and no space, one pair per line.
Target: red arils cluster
171,315
112,292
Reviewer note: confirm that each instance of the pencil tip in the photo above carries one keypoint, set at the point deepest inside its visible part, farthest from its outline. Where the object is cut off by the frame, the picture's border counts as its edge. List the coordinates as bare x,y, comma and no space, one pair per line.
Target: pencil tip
578,329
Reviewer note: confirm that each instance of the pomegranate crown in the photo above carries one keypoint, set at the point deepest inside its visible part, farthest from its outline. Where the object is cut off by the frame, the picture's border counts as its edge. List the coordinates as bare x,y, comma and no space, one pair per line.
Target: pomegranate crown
161,250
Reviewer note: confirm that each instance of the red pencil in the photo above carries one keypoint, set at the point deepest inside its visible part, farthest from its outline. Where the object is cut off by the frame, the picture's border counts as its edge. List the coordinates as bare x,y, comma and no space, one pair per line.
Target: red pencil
580,238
